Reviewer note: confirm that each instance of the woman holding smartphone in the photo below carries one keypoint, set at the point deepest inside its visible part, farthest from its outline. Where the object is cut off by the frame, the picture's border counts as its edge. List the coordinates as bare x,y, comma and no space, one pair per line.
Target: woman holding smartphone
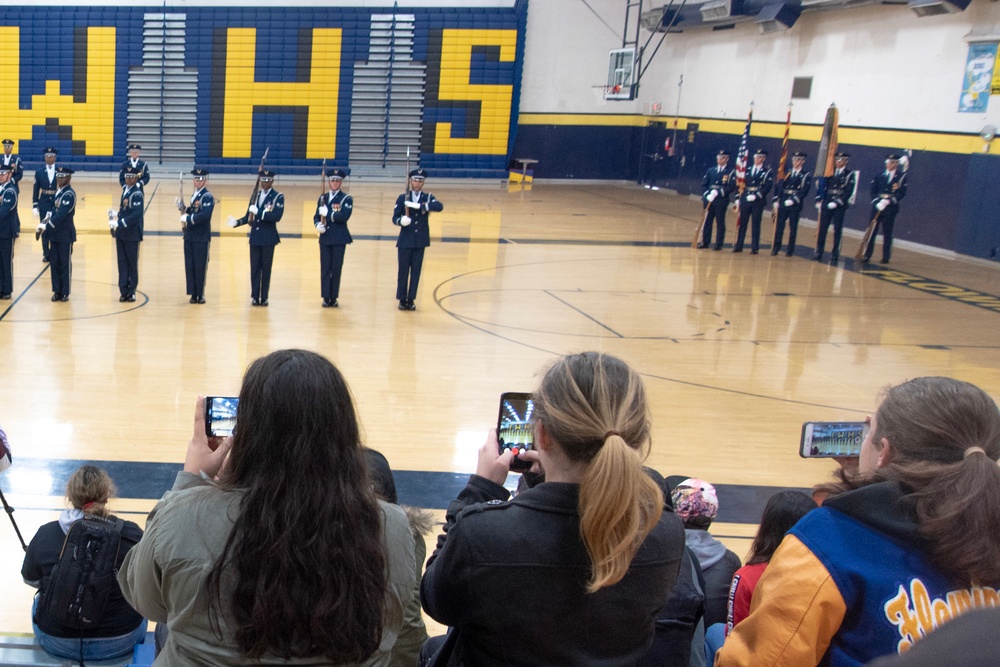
906,541
573,570
286,558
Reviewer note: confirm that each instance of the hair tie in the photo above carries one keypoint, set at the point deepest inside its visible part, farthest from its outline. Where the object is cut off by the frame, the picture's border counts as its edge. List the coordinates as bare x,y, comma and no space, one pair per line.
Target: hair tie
972,450
87,506
611,433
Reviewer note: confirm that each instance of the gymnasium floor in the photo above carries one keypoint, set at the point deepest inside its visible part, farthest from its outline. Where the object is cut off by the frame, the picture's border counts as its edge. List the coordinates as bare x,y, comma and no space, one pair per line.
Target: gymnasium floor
736,350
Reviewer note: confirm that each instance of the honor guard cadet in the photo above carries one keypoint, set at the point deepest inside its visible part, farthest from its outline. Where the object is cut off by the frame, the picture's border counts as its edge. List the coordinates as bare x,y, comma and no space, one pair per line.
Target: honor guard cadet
717,185
43,196
832,205
126,227
263,217
759,181
10,225
887,188
333,210
196,222
59,225
134,162
788,199
412,216
13,162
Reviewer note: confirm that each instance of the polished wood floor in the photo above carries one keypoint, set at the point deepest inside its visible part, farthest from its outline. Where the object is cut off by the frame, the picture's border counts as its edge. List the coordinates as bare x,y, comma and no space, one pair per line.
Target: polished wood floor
736,350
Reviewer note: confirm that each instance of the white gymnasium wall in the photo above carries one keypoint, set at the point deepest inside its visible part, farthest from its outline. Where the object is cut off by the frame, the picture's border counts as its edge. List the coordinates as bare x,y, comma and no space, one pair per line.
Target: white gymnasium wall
882,65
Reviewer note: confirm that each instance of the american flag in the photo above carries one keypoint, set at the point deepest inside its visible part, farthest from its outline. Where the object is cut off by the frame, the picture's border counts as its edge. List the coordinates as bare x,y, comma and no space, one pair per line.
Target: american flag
742,156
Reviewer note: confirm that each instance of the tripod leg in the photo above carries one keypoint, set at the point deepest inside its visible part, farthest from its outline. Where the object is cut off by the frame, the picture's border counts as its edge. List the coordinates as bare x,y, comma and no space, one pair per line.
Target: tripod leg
10,514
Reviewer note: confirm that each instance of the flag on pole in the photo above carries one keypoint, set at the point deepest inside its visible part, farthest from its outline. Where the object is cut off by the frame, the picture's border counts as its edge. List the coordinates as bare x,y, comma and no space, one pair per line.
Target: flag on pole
784,145
743,154
827,151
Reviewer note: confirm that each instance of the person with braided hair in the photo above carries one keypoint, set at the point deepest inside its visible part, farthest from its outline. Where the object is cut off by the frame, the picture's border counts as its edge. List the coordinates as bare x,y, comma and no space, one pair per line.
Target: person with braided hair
906,541
573,570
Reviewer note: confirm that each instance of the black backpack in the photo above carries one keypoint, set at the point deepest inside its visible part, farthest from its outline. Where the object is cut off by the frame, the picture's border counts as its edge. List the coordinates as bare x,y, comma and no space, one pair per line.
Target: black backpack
76,592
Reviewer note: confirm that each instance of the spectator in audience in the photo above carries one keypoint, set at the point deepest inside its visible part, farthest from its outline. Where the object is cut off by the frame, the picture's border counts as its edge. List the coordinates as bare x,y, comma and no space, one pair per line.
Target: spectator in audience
971,640
286,557
406,651
901,546
5,455
120,628
697,504
573,570
783,510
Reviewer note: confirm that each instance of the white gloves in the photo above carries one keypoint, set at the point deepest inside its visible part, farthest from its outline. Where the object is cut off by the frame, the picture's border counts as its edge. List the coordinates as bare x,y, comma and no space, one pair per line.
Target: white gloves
819,205
253,209
751,197
882,204
405,221
710,197
40,228
789,203
179,204
412,204
323,211
185,219
34,211
113,223
231,221
775,205
831,205
112,213
321,228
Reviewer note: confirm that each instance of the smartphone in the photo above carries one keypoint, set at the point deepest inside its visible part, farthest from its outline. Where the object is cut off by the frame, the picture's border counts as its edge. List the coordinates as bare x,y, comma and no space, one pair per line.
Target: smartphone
220,415
515,430
826,439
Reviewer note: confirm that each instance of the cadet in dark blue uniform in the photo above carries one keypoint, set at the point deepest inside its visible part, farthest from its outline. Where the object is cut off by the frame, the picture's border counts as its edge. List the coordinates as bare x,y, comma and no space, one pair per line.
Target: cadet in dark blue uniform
59,225
788,197
263,216
43,196
10,224
134,162
759,181
832,205
196,221
887,188
12,161
333,210
126,227
412,216
718,183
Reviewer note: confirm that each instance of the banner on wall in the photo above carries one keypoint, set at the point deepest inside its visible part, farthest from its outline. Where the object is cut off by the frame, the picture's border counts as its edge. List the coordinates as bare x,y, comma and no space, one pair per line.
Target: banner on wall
996,75
979,70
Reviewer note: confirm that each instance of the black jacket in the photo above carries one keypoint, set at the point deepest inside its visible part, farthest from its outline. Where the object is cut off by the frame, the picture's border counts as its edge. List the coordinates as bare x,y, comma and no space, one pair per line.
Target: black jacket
511,577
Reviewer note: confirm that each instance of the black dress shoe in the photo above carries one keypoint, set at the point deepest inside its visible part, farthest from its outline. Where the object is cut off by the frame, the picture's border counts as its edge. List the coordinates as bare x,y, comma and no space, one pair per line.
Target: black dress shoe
130,298
774,252
193,299
789,253
410,305
402,304
737,250
56,297
201,299
702,246
834,259
334,304
263,303
255,302
327,303
818,257
753,252
45,259
122,299
717,247
64,297
884,260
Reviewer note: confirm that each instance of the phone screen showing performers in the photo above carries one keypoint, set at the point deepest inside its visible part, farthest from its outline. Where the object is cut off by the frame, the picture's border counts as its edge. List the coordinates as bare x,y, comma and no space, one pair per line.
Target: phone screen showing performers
220,415
828,439
515,430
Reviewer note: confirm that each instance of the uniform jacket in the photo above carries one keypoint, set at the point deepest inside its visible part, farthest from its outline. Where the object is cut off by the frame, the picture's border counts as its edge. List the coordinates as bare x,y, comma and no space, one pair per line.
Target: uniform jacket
62,228
718,178
143,172
839,188
264,229
418,233
43,555
130,215
511,577
164,576
44,191
335,220
17,172
795,187
10,224
759,184
852,581
893,189
199,229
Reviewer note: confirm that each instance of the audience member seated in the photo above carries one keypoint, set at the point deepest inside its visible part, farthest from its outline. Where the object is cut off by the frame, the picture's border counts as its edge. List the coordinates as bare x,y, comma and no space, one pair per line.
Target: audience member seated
783,510
971,640
120,627
697,504
272,548
900,547
406,651
573,570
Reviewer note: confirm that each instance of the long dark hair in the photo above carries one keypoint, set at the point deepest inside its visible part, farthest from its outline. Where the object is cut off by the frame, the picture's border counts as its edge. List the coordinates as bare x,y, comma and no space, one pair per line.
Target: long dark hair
304,567
783,510
945,439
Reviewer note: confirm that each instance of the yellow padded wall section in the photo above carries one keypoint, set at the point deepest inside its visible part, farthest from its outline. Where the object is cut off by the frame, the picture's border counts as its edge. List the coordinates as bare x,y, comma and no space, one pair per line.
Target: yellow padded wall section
92,121
456,67
319,94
